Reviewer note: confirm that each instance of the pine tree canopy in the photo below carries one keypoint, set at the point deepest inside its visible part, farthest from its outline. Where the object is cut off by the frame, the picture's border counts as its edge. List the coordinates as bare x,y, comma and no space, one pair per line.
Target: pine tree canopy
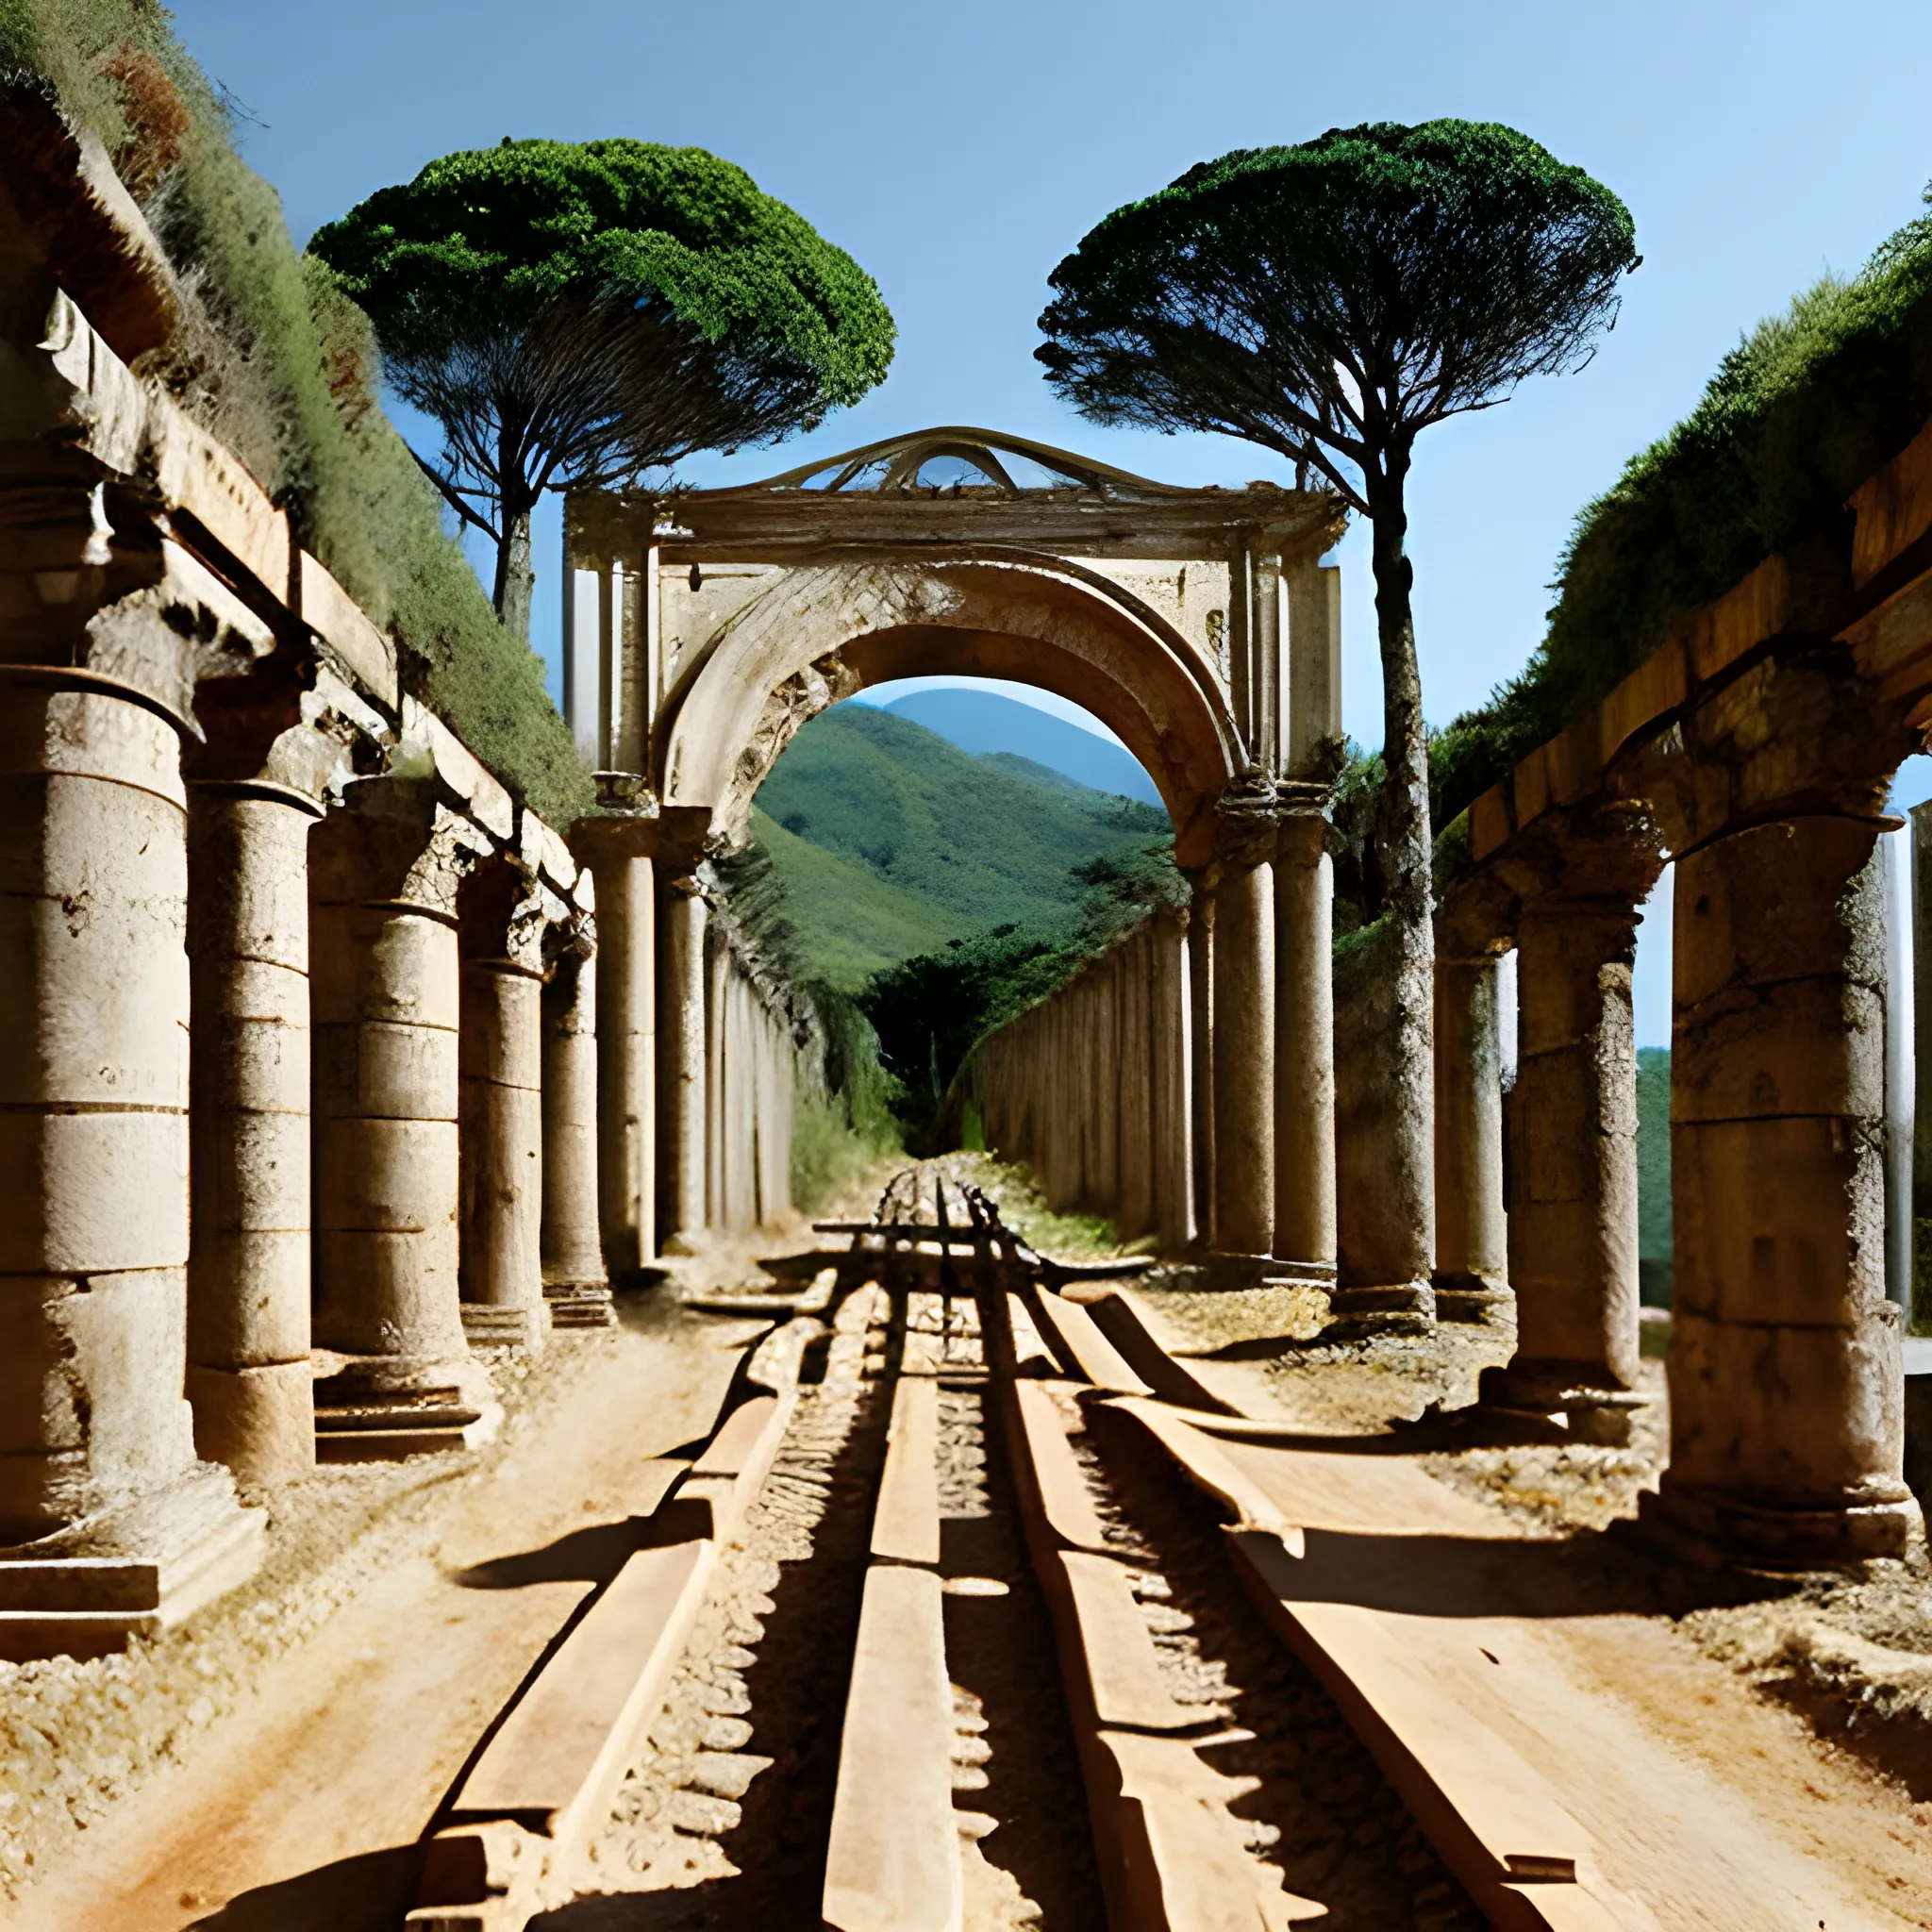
1331,299
581,313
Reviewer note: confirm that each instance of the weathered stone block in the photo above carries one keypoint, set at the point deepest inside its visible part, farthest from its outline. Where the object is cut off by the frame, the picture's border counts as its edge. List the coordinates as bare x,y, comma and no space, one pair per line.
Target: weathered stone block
1778,1221
397,1175
1805,1046
95,1192
1799,1417
1774,904
380,1069
258,1421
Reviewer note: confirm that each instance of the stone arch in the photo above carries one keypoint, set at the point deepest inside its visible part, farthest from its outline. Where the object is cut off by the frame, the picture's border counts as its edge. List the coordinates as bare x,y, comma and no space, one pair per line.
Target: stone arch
823,632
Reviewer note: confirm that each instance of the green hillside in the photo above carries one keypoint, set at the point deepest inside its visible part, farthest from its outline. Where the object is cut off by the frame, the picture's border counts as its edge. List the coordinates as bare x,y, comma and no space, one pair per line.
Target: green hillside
888,841
1036,773
849,921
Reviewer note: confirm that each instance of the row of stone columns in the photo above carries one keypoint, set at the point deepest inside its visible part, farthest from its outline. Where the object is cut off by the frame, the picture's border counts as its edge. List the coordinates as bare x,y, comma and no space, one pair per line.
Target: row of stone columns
1785,1374
1092,1087
1184,1084
750,1060
362,1044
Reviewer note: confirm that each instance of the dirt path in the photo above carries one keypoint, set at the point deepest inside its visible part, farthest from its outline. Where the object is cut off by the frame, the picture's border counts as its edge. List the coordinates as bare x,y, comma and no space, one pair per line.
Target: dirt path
1750,1820
296,1811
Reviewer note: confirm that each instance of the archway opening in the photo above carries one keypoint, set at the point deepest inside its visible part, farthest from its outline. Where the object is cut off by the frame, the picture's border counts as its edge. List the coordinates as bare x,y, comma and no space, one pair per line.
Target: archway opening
933,855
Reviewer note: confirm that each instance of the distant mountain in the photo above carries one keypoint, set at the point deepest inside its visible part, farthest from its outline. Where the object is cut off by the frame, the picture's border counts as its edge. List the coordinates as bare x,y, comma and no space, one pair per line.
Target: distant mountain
982,721
891,841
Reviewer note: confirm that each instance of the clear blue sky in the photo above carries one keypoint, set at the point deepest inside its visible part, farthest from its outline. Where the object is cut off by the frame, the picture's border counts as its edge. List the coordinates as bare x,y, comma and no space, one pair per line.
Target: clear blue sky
960,151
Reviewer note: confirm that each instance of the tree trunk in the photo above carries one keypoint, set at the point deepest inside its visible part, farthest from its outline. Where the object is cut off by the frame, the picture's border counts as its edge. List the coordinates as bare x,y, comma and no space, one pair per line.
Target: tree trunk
515,580
1405,1182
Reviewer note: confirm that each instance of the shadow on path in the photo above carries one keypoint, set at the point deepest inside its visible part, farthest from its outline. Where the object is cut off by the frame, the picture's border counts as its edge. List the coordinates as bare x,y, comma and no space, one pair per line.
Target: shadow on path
369,1892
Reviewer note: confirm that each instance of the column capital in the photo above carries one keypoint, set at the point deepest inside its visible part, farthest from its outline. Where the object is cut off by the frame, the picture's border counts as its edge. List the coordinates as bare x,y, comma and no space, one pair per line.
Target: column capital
675,835
1603,854
393,841
1246,816
503,916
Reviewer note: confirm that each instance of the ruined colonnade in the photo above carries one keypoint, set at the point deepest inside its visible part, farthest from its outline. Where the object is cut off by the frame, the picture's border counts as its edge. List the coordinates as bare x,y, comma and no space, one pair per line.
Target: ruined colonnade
308,1093
1759,765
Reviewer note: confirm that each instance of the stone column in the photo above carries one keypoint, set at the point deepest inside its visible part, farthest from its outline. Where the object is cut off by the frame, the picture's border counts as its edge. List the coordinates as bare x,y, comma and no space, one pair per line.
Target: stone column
1103,1082
1572,1222
618,848
500,1106
1135,1058
718,1122
1787,1437
681,1089
1918,1301
94,1428
1304,1041
1173,1066
385,979
570,1246
1244,1028
1471,1230
249,1375
1200,993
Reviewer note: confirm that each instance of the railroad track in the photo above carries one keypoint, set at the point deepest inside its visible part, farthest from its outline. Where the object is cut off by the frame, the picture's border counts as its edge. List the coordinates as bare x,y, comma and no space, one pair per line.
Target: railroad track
980,1609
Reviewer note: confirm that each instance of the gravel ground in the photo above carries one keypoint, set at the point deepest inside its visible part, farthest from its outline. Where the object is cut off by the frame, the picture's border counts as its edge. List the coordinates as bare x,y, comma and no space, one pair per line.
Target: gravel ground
1320,1809
77,1736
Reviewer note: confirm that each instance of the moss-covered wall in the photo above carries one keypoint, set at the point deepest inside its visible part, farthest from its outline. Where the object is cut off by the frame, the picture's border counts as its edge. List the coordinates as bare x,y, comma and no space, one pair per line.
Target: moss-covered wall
274,360
1808,407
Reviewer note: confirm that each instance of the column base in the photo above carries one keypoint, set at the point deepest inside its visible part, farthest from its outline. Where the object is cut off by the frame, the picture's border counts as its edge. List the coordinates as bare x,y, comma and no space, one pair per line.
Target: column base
1221,1270
487,1325
1473,1298
1592,1412
87,1591
1354,1314
360,1419
258,1422
1310,1274
1715,1527
581,1304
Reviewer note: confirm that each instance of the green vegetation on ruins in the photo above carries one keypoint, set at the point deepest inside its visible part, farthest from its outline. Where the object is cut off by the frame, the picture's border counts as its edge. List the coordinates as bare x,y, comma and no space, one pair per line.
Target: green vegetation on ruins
577,314
1798,415
273,358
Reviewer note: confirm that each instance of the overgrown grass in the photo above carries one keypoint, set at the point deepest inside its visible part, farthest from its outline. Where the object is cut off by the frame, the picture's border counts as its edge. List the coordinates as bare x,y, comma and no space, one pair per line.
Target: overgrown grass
1808,406
1024,1208
272,357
